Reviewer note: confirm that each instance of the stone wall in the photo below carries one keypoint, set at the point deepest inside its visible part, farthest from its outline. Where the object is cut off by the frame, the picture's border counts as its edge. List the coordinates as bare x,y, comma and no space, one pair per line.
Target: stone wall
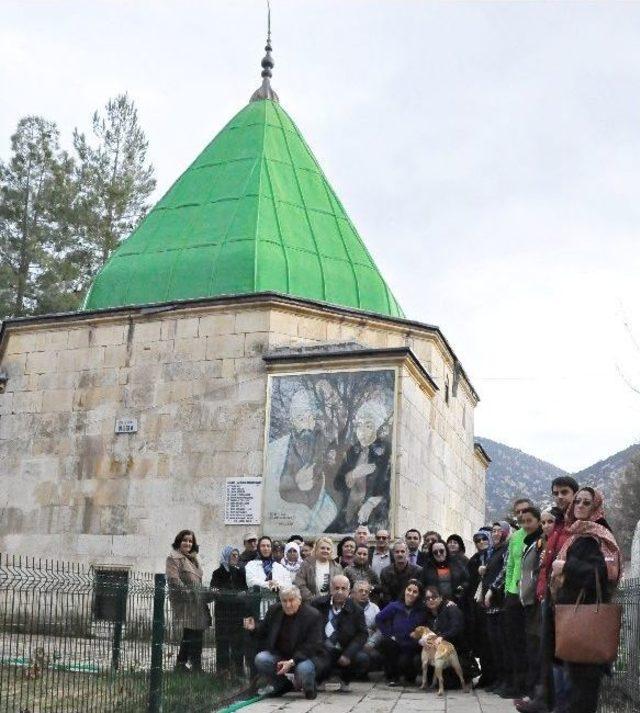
195,380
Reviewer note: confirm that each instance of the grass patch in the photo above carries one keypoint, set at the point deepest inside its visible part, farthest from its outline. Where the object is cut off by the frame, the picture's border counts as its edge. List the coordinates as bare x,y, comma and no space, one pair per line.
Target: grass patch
60,691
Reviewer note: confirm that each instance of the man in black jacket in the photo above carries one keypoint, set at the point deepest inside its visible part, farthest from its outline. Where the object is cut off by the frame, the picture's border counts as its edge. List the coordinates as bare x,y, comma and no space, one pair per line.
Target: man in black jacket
345,631
290,640
415,555
394,578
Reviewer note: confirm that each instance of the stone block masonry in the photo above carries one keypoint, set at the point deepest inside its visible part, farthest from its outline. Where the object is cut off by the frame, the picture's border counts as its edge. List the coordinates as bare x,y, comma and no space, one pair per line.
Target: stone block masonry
194,379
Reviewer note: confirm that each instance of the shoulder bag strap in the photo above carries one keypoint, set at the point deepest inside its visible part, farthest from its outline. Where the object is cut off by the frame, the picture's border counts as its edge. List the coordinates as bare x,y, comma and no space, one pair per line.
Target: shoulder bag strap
598,590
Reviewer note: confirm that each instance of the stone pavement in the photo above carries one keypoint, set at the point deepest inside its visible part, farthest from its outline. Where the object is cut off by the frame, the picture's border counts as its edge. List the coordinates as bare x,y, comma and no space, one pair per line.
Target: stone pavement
377,698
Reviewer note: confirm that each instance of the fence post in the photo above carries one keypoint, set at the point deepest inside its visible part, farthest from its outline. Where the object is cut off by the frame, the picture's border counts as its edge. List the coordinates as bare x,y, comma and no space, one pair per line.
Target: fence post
157,641
121,590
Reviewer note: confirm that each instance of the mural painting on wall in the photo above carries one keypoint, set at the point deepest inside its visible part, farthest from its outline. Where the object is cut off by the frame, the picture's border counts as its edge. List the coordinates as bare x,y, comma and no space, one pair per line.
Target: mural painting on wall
328,459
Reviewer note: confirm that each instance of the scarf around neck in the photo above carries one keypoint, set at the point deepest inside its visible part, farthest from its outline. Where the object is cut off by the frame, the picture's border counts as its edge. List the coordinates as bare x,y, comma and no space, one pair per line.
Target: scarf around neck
267,566
291,566
592,528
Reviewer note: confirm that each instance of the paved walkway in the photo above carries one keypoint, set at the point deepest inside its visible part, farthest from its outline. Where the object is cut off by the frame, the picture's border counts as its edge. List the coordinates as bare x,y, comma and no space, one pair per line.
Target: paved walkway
377,698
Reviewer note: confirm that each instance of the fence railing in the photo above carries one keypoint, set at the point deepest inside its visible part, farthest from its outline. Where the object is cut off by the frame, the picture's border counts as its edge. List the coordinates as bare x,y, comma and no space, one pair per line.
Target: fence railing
620,692
76,638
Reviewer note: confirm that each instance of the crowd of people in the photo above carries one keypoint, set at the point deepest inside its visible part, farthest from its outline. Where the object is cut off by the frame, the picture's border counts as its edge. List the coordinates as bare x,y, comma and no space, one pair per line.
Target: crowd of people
345,612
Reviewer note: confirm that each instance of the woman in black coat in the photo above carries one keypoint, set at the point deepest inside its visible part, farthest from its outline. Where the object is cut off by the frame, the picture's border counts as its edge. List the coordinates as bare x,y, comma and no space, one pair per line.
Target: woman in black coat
492,598
456,548
589,560
448,574
446,620
477,622
229,582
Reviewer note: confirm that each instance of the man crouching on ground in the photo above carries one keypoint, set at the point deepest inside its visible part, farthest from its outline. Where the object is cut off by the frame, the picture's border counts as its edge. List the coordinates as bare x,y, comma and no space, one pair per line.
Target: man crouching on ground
345,632
290,641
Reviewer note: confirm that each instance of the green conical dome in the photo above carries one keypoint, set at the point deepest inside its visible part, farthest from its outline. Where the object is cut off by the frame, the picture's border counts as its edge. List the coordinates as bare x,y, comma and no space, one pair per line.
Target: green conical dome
253,213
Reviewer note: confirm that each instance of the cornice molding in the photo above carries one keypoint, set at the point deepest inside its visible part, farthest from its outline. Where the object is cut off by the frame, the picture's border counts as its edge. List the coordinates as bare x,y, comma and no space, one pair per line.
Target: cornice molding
283,361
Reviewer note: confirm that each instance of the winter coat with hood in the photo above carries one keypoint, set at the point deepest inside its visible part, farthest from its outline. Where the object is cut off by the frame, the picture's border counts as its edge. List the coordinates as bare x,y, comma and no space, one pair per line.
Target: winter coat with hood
189,599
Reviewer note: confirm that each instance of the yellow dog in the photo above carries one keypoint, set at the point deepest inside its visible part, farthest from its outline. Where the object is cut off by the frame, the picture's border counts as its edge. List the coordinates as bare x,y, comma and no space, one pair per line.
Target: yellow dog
437,653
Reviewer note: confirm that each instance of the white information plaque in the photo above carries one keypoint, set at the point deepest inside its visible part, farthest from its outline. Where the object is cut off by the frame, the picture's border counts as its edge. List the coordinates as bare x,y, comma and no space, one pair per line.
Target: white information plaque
126,425
243,502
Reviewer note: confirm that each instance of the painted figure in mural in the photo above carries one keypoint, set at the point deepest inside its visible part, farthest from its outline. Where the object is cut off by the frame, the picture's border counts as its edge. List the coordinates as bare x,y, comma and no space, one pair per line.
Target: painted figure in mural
363,478
299,481
297,461
328,465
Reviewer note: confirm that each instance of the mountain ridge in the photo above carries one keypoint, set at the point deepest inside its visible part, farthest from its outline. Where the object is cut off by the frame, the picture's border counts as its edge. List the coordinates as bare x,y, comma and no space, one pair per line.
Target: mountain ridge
514,473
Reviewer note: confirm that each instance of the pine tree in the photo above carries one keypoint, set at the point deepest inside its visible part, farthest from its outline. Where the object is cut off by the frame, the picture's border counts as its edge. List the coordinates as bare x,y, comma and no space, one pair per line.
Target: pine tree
32,203
114,181
625,510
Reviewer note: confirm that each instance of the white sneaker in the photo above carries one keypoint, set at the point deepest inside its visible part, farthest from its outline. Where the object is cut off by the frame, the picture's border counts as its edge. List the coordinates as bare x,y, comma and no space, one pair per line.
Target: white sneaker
344,687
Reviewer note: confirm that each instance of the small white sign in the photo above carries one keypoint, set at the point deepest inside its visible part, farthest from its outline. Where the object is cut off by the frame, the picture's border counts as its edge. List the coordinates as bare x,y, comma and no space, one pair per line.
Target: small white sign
126,425
243,502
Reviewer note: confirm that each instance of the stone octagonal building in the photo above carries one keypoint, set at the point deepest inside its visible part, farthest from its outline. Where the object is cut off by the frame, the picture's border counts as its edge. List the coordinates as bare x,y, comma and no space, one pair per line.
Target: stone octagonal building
239,359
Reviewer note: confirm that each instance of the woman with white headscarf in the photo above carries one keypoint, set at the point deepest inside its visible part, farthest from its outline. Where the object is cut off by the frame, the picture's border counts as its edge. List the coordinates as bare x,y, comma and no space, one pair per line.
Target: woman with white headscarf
292,560
229,584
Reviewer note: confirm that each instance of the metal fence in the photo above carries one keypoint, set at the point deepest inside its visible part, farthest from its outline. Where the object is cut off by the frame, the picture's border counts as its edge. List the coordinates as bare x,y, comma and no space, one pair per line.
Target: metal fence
620,692
76,639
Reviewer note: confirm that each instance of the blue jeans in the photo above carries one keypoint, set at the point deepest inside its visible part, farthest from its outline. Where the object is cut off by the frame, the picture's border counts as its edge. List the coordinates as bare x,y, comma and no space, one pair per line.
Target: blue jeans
562,687
304,672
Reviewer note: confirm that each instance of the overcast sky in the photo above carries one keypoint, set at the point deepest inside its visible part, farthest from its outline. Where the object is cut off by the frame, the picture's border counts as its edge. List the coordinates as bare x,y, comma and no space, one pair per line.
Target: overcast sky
489,155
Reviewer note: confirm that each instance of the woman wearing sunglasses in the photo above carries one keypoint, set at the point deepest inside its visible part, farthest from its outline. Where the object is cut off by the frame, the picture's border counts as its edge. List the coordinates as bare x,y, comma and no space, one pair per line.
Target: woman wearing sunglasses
448,574
446,620
590,551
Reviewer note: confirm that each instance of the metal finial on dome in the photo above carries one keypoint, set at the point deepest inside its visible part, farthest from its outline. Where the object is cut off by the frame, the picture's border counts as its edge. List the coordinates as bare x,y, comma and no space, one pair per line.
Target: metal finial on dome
265,91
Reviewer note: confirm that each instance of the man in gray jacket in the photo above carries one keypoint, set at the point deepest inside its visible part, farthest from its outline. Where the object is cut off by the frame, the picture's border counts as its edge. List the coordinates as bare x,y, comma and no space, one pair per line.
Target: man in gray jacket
531,554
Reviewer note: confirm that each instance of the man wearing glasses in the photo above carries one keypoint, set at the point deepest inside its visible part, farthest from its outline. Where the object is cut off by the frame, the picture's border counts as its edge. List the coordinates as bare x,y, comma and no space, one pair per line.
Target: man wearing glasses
381,556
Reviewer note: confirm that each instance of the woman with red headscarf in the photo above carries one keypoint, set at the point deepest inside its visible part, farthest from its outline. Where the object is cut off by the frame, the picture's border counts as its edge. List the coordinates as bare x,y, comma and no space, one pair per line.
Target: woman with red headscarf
590,552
